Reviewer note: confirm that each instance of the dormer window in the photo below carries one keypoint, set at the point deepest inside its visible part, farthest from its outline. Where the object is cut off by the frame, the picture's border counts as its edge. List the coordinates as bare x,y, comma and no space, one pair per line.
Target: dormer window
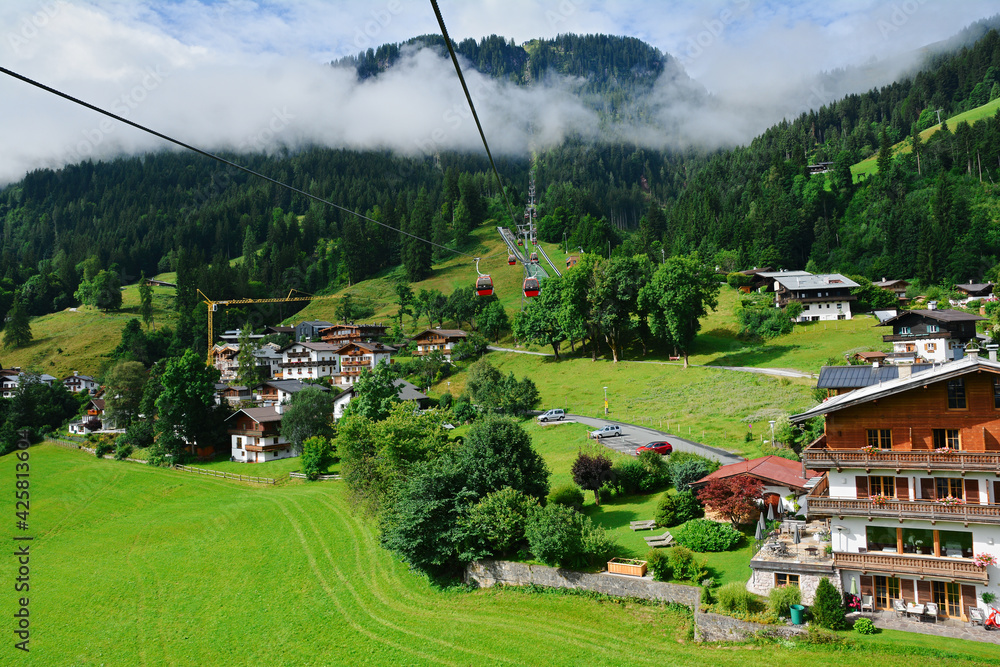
904,330
933,328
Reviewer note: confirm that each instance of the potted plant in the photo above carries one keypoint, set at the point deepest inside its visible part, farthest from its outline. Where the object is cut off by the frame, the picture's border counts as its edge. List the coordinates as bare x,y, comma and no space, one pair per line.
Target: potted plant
988,598
951,500
982,560
880,499
870,449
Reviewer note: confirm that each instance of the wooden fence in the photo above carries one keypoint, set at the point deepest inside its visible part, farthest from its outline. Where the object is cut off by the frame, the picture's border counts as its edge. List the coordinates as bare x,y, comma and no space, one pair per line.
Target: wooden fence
226,475
322,478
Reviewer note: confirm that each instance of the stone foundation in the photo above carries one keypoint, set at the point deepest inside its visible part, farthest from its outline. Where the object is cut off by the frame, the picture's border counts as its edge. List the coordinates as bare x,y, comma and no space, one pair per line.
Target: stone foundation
762,581
719,628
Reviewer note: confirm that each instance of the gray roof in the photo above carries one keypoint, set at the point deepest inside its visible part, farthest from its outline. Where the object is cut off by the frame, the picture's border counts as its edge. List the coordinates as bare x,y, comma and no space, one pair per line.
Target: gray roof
318,347
853,377
408,391
809,281
939,315
259,415
778,274
936,373
889,283
291,386
884,315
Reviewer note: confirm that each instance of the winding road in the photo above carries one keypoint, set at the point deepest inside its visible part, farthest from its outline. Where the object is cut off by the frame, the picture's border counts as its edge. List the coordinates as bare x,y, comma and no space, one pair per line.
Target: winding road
634,436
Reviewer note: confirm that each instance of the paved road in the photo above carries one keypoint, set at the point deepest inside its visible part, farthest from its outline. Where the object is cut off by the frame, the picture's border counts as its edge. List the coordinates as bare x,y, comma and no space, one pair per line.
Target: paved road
634,436
494,348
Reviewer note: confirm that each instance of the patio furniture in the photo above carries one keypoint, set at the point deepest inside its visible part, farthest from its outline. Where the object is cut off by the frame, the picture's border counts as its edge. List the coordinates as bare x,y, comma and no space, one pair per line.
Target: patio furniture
899,607
914,610
868,602
931,611
812,551
642,525
976,617
664,540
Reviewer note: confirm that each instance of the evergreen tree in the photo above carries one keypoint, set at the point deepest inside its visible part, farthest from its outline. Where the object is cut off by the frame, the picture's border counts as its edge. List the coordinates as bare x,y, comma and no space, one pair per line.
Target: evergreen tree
463,224
247,373
18,331
417,252
884,160
145,301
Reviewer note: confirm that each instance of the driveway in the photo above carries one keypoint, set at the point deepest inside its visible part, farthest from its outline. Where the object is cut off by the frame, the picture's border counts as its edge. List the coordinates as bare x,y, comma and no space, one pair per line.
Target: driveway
635,436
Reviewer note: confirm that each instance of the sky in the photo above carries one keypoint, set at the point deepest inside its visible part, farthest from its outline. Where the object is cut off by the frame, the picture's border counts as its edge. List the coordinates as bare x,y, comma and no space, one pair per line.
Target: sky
254,75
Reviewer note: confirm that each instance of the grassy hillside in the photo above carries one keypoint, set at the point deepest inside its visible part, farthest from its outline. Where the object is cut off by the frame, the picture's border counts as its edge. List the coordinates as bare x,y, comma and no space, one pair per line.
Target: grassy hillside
135,565
868,167
81,339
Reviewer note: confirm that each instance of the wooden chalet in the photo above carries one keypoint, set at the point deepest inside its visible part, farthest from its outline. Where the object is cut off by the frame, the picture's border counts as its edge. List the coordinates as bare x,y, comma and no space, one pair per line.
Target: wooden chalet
342,334
930,335
897,287
438,339
975,290
256,435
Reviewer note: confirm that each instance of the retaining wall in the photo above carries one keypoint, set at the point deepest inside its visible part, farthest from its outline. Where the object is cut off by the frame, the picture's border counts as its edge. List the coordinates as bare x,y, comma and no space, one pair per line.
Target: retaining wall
719,628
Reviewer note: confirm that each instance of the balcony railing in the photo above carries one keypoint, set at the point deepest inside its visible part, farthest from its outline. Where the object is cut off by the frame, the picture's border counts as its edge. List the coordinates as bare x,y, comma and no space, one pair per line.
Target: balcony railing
344,361
925,510
307,364
921,566
901,460
901,338
253,434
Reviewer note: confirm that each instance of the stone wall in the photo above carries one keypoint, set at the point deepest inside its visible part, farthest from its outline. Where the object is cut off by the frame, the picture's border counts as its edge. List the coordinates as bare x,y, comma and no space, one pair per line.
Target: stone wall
762,581
486,573
719,628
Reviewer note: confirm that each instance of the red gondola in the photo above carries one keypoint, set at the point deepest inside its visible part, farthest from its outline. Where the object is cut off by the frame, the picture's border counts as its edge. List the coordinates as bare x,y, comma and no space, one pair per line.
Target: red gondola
534,258
512,260
484,285
520,242
530,287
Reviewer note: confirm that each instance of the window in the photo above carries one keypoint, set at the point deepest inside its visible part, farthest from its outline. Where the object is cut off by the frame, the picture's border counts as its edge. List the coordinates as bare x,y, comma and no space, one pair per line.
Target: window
885,486
947,437
881,538
955,544
782,579
996,394
918,541
239,443
932,328
947,597
886,590
948,486
930,347
880,437
956,394
903,331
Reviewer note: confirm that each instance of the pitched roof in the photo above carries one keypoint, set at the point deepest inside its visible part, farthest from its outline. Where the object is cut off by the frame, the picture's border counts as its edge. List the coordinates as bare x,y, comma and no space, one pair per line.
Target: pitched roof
889,283
778,274
939,315
259,415
852,377
973,287
318,347
86,378
447,333
370,347
316,323
936,373
407,391
291,386
809,281
774,469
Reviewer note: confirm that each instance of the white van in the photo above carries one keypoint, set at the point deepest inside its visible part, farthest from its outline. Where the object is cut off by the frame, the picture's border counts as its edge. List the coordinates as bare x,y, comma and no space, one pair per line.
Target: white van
552,415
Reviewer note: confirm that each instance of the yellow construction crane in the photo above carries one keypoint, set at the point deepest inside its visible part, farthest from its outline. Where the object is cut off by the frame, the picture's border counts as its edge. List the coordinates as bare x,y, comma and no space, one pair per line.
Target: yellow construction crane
214,305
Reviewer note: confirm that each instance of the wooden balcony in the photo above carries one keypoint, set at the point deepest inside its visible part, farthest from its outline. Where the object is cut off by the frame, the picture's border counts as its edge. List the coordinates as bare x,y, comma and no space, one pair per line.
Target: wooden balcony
902,338
308,364
820,459
951,569
924,510
346,362
253,434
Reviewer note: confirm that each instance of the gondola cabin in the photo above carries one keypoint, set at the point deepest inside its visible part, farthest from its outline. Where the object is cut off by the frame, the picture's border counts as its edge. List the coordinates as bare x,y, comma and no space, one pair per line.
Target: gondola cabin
520,242
534,258
511,260
484,286
530,287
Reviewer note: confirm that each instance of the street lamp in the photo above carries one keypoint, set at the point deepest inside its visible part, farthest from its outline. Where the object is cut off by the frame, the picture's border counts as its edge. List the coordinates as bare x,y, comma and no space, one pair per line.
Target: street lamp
772,432
605,401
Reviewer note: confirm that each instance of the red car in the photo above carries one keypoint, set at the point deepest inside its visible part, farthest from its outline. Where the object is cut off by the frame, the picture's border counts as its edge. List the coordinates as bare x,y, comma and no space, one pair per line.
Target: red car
658,447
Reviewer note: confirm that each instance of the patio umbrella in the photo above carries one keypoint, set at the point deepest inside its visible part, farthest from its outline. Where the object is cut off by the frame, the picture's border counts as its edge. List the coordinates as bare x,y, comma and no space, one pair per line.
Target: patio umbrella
795,535
759,535
760,522
854,586
770,512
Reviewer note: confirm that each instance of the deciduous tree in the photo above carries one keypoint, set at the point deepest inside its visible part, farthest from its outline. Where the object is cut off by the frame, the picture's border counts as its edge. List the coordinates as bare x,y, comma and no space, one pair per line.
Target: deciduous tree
124,384
309,414
591,472
18,330
733,498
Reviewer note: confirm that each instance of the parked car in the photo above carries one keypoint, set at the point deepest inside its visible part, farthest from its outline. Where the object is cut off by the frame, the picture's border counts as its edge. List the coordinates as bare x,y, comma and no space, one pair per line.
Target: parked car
552,415
606,431
658,447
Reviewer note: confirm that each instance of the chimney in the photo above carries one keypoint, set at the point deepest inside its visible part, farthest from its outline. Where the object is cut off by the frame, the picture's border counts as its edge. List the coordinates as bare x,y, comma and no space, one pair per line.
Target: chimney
75,373
972,352
279,408
875,365
932,305
992,349
905,371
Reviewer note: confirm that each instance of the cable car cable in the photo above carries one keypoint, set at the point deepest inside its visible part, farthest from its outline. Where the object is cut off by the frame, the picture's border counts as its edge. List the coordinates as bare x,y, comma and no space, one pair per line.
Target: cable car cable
223,160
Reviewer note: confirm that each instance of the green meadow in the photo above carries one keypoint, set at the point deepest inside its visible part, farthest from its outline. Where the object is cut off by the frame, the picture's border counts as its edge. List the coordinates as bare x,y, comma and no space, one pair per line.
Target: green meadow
141,566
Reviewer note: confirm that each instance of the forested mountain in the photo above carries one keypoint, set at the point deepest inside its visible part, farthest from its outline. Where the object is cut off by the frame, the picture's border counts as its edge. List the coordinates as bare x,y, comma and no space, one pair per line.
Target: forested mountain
755,205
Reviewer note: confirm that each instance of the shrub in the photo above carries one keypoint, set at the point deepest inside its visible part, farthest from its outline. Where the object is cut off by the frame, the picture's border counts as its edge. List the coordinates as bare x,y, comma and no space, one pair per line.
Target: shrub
445,400
317,455
828,608
817,635
102,447
568,494
666,509
599,546
463,411
687,507
657,471
682,473
734,597
705,535
553,535
123,449
496,523
684,566
782,598
864,626
627,476
658,564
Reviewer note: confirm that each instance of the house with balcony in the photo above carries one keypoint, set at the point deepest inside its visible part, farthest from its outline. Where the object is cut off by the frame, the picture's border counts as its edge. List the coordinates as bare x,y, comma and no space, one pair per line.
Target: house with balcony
929,336
342,334
784,480
438,339
307,360
277,392
356,357
897,287
971,290
823,297
308,330
77,383
911,485
256,435
225,357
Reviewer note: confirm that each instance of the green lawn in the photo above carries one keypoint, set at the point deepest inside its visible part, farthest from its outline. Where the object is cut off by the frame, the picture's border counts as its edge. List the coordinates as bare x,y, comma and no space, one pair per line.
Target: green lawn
138,565
277,470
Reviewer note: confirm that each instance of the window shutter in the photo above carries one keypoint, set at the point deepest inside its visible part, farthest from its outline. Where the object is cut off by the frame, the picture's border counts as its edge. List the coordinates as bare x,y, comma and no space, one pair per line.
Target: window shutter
928,491
902,488
968,600
868,585
924,594
972,491
862,486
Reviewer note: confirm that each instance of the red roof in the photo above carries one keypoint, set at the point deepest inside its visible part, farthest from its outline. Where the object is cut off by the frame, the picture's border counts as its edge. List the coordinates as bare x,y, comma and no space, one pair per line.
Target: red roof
773,469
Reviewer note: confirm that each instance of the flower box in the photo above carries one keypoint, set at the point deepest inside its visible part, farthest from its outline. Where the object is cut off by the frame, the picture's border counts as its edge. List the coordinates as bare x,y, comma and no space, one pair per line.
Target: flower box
880,499
982,560
630,566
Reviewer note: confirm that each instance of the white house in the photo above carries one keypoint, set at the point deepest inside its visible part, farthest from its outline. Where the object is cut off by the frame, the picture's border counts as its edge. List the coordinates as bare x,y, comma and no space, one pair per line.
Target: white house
77,383
823,297
306,360
277,392
355,357
930,335
406,391
256,435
